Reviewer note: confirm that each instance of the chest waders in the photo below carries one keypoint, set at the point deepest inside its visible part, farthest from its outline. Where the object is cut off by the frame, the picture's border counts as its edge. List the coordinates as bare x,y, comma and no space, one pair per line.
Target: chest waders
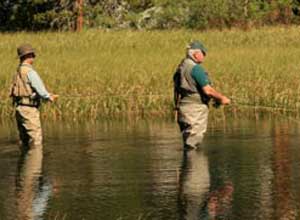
27,112
192,105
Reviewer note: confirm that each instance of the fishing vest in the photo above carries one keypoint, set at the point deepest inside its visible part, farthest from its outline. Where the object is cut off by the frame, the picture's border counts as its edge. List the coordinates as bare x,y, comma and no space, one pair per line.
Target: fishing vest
185,84
21,91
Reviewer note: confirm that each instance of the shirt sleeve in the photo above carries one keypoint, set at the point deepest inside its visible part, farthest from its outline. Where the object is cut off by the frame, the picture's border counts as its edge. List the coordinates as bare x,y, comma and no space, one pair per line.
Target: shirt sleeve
38,85
200,76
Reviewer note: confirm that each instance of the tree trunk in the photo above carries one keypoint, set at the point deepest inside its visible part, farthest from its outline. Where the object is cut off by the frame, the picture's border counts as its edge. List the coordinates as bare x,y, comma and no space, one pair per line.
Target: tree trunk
79,22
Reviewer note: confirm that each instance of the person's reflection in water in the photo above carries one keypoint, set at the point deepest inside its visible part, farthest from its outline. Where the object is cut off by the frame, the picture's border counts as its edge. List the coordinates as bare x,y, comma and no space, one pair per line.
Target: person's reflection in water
193,184
195,200
32,192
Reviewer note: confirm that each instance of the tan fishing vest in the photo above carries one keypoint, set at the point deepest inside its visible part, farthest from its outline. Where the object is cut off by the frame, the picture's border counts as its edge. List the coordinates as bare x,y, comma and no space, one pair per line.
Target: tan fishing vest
20,86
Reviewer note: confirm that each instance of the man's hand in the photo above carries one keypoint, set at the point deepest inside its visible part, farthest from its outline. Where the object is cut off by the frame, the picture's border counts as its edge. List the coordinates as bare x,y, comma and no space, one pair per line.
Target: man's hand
53,97
225,100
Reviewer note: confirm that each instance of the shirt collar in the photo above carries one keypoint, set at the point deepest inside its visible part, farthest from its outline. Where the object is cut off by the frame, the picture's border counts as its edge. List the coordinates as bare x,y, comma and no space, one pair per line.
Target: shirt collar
26,64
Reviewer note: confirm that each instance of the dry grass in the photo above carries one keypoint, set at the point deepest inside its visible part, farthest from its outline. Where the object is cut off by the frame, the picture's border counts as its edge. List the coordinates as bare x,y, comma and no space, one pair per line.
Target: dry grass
103,74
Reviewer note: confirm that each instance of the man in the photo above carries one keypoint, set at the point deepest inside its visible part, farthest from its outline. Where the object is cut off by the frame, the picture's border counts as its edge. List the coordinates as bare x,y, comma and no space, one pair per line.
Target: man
192,93
27,92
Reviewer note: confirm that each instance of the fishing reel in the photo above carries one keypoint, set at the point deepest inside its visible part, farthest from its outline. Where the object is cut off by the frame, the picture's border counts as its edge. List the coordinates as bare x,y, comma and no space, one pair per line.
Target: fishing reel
216,103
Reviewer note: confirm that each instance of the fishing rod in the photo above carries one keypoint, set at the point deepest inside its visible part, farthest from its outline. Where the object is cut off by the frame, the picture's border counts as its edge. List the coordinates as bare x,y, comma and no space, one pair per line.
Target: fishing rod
235,102
272,109
113,95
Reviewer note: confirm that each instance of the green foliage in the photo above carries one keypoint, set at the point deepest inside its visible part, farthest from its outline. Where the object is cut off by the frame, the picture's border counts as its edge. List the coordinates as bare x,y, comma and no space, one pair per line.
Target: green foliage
139,5
205,13
148,14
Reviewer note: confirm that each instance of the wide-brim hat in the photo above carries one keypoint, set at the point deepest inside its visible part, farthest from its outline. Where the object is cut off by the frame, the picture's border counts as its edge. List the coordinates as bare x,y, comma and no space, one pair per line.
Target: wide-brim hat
25,49
197,45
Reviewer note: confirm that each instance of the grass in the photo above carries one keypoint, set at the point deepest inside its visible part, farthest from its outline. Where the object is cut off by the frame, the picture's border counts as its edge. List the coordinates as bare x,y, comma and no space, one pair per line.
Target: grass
106,74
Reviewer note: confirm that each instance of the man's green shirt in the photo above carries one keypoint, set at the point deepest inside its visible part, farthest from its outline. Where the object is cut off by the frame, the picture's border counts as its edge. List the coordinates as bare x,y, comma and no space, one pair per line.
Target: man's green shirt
199,75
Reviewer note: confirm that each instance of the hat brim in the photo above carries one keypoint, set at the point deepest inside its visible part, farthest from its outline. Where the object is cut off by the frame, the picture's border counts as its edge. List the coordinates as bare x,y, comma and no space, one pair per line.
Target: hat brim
28,52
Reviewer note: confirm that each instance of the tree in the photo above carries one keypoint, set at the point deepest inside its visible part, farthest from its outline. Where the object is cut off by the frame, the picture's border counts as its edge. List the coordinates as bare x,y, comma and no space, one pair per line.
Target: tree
149,14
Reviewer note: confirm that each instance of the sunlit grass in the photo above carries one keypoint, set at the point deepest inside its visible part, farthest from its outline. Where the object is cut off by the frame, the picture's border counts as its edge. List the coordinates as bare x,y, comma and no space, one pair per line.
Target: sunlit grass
103,74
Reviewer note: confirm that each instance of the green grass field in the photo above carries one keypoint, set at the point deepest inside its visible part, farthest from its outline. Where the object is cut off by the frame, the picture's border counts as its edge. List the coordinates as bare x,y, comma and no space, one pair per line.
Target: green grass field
106,74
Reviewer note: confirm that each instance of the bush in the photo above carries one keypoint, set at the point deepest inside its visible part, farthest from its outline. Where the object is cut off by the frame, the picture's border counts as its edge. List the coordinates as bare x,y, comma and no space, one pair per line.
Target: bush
147,14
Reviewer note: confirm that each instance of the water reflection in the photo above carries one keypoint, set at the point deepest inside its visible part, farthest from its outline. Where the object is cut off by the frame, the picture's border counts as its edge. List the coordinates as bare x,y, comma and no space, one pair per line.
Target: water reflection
32,192
219,202
139,171
284,206
197,200
194,182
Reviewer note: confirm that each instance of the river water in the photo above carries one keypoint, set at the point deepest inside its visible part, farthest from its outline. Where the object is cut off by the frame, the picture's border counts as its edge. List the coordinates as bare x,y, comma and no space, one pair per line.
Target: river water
247,169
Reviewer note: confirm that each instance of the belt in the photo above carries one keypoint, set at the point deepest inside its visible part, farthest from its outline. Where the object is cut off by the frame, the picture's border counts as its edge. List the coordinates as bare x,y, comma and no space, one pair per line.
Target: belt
28,105
196,97
25,101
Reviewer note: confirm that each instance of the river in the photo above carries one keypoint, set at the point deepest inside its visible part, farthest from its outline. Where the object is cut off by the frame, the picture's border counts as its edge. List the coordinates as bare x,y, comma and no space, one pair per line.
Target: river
247,169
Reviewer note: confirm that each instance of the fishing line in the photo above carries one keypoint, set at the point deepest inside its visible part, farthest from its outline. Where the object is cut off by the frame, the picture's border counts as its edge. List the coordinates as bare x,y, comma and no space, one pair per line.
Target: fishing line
235,102
271,109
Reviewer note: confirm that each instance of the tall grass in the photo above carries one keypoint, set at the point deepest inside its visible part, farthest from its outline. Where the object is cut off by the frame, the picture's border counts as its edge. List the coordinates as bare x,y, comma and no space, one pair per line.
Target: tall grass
104,74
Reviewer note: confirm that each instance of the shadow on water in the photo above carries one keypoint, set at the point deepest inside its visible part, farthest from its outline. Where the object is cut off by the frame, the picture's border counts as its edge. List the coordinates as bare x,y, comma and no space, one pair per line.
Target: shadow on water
247,169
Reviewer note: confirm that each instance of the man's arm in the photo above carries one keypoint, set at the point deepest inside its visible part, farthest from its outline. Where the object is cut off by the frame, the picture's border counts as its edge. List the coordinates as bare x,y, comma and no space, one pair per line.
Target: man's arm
38,85
201,78
210,91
